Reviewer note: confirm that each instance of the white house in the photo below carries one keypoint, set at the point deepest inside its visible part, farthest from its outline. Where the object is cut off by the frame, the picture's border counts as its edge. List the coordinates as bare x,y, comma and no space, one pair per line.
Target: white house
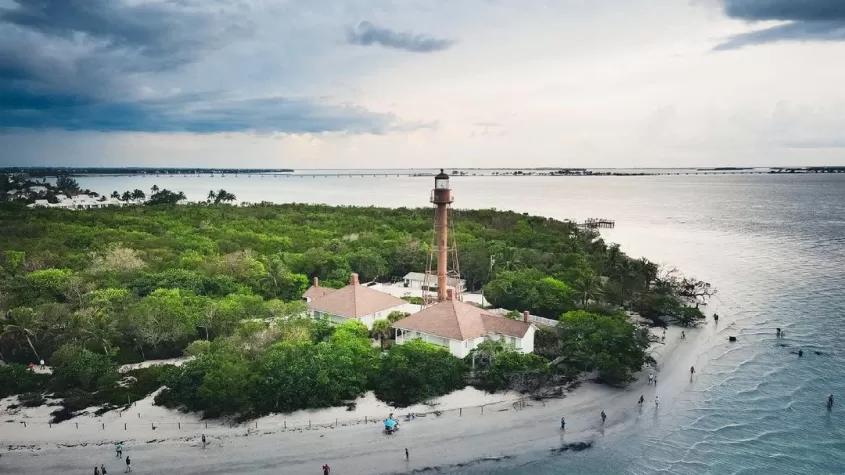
353,302
416,280
79,202
460,327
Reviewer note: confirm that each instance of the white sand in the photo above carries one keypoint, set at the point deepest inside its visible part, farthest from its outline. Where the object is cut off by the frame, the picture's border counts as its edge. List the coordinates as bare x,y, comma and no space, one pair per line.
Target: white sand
284,444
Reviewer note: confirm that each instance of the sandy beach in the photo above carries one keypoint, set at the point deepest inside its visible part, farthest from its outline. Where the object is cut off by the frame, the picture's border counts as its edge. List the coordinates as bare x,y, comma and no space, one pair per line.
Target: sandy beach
159,440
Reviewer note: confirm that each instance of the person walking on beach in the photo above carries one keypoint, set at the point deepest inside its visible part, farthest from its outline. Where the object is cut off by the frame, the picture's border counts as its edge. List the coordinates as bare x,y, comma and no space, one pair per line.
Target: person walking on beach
407,455
128,467
103,469
656,402
119,450
800,353
650,378
683,334
655,380
691,372
716,317
42,364
203,441
562,423
603,417
642,399
96,470
326,469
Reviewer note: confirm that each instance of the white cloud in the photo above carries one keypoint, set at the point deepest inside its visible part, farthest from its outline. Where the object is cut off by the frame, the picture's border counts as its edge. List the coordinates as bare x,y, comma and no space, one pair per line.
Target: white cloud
526,83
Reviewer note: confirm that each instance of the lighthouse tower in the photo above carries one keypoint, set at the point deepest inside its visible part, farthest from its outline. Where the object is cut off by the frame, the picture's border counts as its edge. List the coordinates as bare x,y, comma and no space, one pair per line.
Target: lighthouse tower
447,273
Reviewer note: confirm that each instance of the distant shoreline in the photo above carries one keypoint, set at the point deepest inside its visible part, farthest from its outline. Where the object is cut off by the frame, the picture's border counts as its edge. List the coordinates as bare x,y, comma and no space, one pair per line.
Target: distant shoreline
47,172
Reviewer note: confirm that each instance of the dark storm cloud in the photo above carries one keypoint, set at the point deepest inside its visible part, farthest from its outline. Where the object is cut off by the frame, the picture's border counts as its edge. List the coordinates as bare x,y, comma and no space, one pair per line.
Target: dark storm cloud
809,20
85,65
198,113
367,34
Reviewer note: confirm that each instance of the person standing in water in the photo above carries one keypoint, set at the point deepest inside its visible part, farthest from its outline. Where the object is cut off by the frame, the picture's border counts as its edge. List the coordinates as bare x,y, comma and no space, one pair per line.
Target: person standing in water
778,332
562,423
642,399
407,455
830,402
603,417
326,469
203,441
800,353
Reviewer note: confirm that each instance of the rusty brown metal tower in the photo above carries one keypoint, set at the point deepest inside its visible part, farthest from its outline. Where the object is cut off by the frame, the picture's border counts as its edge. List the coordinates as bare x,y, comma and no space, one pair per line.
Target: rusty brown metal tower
444,251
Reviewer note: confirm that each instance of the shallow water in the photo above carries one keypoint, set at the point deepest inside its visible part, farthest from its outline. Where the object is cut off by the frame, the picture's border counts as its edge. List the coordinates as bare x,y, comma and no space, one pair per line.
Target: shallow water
773,246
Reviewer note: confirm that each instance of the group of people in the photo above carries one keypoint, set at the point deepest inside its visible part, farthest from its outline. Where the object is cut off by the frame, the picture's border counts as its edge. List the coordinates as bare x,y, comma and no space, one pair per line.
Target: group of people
656,401
118,450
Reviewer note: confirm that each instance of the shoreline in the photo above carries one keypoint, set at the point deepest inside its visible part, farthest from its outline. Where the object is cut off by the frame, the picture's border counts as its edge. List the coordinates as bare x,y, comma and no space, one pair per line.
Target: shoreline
270,445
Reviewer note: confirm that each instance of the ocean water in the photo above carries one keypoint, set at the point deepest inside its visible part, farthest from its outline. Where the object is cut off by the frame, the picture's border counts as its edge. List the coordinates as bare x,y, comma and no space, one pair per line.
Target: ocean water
773,246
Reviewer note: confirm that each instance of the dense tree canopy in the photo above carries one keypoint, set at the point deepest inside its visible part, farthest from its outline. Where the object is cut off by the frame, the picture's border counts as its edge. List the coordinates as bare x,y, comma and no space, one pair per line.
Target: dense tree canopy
91,288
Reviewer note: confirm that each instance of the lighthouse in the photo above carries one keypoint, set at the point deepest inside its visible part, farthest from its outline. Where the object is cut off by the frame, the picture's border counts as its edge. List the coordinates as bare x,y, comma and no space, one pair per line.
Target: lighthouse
441,197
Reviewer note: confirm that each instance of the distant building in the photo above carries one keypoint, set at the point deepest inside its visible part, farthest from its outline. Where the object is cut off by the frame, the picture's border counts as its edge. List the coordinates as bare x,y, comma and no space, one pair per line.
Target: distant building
79,202
460,327
353,302
416,280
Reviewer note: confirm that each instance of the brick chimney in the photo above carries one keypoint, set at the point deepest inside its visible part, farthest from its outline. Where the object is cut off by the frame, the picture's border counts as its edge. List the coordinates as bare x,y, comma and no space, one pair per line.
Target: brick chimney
353,279
525,316
316,281
450,294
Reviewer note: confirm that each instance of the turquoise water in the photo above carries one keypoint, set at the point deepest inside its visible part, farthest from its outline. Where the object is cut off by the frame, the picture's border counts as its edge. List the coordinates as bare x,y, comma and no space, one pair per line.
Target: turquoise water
774,247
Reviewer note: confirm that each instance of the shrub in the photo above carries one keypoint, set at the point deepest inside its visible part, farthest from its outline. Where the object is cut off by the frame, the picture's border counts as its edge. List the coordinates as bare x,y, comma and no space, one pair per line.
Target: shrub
17,379
31,399
417,371
77,367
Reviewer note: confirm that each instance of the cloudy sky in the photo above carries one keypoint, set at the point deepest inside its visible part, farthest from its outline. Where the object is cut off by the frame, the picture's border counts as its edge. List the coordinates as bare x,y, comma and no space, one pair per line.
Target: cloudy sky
420,83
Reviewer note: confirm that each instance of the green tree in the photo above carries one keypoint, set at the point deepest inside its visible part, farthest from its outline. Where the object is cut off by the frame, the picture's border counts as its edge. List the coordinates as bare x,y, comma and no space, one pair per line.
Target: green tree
12,261
279,282
500,367
396,315
611,345
588,286
77,367
67,185
417,371
21,324
383,330
166,316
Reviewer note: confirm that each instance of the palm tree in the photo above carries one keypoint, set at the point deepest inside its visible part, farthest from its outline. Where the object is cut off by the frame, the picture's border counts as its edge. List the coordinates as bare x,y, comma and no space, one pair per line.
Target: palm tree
225,196
277,274
21,323
382,330
154,189
588,286
211,196
98,328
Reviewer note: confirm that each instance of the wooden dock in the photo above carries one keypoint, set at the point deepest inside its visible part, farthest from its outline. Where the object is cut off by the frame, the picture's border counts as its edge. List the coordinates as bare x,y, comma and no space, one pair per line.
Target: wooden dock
594,223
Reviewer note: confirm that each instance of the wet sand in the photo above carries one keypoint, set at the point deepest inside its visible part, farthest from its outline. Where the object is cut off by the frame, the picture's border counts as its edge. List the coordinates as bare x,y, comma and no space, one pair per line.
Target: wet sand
283,444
